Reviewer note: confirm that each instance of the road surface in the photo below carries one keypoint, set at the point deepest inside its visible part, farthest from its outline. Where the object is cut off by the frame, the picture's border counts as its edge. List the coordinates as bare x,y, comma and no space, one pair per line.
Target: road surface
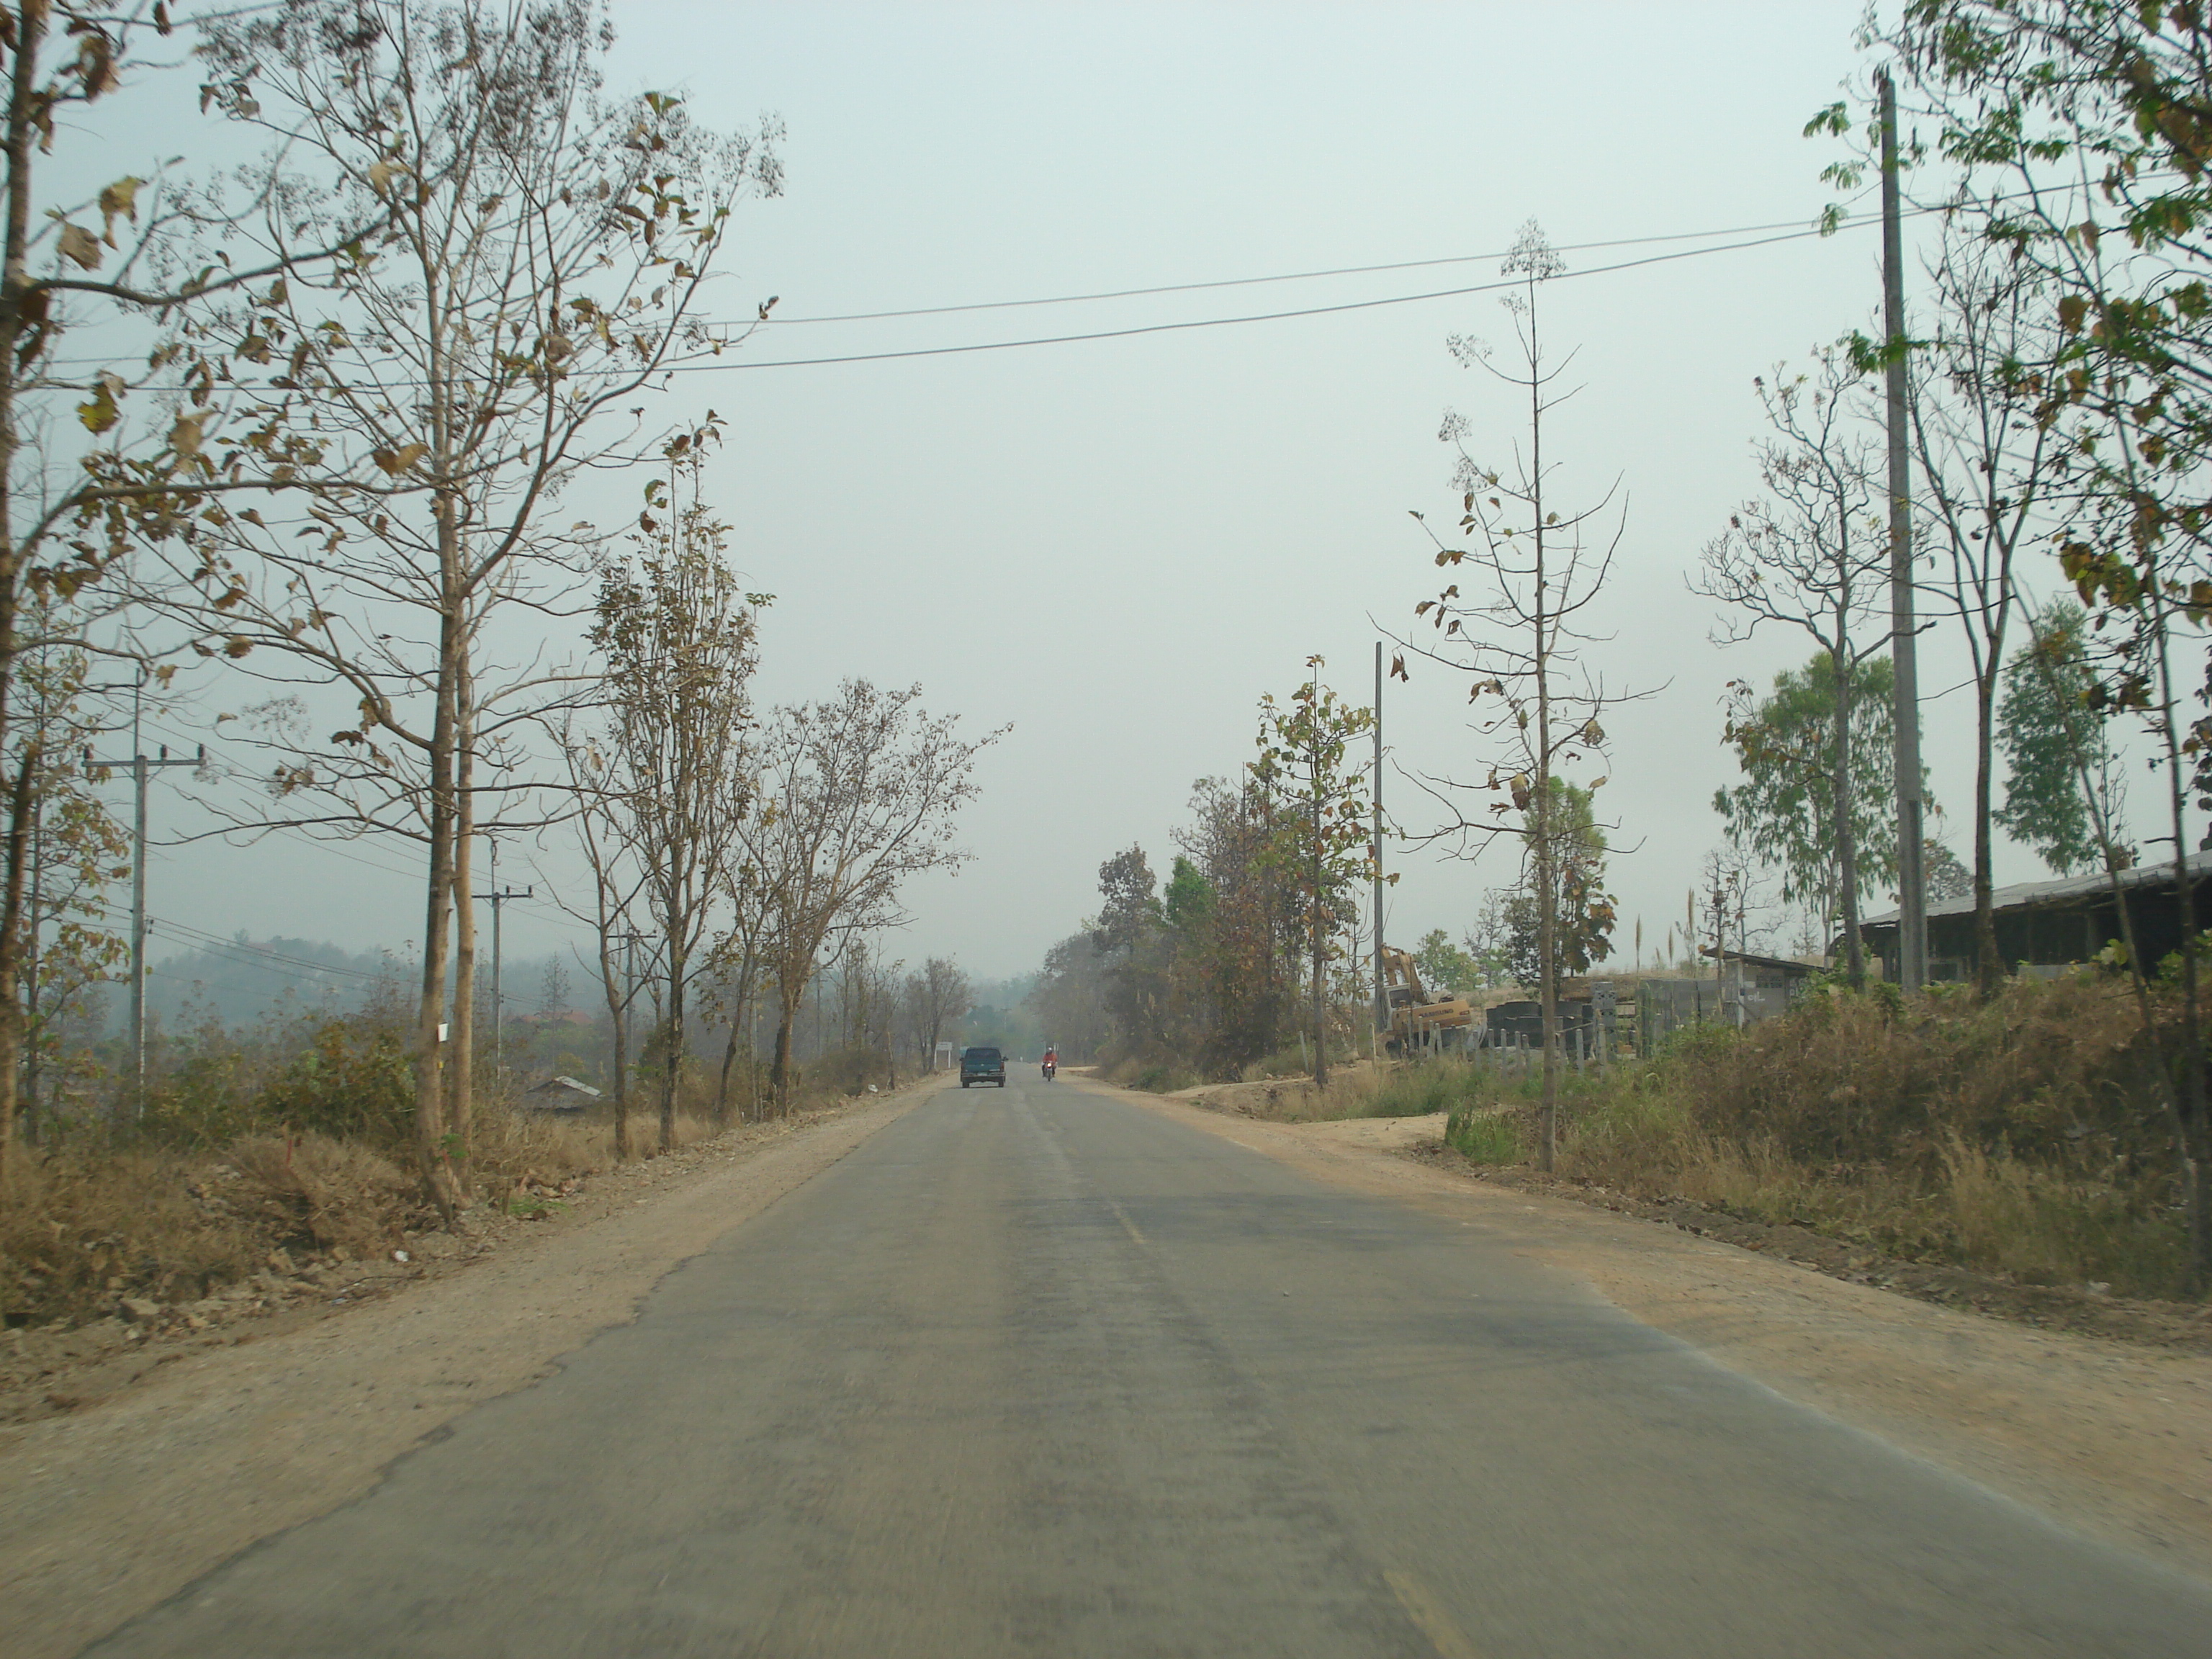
1037,1371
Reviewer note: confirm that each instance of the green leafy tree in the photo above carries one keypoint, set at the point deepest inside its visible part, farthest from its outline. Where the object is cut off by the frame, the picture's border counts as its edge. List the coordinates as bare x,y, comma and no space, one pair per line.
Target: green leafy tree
1137,959
1235,957
2080,135
1582,909
1130,889
1444,967
1189,897
1782,811
1486,938
2061,794
1947,876
1321,841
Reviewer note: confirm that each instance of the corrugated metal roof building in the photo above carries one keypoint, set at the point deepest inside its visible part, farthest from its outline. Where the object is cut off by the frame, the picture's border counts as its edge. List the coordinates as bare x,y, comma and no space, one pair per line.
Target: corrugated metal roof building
2050,924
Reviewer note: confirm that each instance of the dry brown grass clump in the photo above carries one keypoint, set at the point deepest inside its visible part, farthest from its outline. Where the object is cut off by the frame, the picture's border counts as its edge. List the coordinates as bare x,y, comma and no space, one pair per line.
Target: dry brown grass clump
82,1228
317,1193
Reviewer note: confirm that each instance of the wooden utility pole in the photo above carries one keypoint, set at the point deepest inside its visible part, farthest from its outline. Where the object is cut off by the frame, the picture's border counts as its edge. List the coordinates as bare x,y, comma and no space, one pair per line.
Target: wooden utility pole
1911,843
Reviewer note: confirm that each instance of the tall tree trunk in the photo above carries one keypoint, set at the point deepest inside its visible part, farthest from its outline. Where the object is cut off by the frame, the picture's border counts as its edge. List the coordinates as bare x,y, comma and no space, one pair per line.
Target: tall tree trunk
1547,902
729,1059
2194,1150
23,108
431,1147
1989,970
20,802
1313,922
613,983
778,1072
461,1048
673,1036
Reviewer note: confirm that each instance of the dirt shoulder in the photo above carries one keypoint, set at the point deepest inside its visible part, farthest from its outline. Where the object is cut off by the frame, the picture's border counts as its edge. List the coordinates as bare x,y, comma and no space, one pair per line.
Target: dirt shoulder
187,1446
2112,1437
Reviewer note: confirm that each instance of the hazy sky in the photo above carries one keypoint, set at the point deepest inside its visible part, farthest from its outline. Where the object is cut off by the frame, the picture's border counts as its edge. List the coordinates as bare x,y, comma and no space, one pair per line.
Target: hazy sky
1119,545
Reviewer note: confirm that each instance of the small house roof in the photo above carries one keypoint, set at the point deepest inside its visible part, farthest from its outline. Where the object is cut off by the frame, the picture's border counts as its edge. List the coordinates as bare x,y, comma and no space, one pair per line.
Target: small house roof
564,1085
2066,891
1779,964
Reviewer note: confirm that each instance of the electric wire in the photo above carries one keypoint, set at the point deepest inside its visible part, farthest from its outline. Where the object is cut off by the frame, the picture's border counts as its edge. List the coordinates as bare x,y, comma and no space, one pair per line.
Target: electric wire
1190,324
1281,276
1785,232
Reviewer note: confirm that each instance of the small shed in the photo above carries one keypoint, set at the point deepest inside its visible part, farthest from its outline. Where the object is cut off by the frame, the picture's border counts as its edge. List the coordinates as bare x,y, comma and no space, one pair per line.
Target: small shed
1520,1024
564,1095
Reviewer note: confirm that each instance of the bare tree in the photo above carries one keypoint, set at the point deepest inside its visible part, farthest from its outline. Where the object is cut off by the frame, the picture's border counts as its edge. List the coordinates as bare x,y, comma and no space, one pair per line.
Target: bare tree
734,971
1519,638
1812,554
940,994
541,267
677,637
614,903
858,795
1988,465
83,467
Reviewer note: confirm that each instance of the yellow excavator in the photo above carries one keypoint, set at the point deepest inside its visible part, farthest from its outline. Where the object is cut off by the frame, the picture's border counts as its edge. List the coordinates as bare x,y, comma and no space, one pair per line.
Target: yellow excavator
1416,1020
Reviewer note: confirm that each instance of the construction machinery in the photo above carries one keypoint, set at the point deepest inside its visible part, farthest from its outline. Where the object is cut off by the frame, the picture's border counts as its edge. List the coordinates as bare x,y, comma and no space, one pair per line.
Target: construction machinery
1418,1021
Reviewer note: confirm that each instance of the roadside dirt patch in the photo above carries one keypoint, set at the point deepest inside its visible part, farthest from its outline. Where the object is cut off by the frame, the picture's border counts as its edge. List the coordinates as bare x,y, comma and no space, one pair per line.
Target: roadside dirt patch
239,1432
2111,1438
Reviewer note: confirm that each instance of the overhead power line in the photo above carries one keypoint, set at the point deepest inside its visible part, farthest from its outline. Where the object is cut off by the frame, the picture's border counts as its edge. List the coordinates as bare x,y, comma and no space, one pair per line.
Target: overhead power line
1789,231
1280,276
1186,324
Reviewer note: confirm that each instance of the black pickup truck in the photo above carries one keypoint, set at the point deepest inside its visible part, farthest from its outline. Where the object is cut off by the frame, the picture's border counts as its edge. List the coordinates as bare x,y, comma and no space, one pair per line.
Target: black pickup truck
982,1066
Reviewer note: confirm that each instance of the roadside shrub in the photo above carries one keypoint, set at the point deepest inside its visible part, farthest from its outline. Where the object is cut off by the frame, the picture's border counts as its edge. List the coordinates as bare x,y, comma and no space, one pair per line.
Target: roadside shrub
1418,1088
1484,1137
354,1079
207,1100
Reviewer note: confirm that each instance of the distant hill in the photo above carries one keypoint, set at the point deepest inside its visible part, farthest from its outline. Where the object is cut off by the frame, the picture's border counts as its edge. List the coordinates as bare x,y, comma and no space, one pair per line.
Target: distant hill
239,980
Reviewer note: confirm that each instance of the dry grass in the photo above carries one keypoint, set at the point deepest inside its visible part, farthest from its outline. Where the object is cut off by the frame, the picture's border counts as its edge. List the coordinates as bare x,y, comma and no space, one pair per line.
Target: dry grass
2023,1136
319,1194
80,1229
88,1222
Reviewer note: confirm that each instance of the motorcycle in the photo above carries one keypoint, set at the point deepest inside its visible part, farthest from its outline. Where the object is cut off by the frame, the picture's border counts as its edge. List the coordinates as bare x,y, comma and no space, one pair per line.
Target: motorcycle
1050,1067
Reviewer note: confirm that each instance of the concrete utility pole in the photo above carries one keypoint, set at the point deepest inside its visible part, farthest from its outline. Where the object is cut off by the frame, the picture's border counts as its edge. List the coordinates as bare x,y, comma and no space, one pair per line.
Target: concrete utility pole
498,897
140,767
1381,983
1911,842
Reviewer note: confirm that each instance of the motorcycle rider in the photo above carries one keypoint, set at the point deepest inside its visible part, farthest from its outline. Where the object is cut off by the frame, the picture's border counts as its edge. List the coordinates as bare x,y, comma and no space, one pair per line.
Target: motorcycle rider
1051,1061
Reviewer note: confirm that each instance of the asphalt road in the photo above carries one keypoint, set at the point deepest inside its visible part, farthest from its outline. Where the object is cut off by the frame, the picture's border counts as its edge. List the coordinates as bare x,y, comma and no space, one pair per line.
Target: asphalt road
1037,1371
